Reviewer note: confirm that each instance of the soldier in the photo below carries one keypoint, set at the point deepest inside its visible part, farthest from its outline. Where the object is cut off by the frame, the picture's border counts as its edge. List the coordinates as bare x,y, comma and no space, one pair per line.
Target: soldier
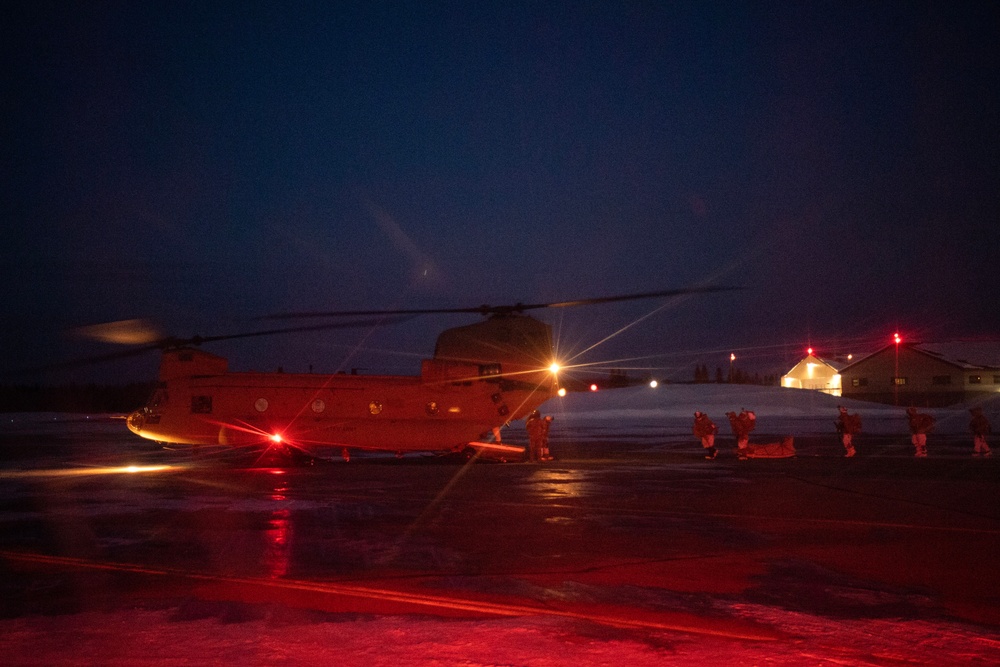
742,424
534,425
847,426
980,427
543,450
706,429
920,425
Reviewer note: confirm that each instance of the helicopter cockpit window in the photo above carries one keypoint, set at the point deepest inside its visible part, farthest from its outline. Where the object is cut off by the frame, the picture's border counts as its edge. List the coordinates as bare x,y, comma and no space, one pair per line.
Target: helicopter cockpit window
159,398
201,405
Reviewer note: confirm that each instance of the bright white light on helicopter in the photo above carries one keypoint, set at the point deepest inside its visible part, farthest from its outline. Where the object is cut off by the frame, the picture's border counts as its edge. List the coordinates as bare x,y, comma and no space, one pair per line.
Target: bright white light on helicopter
276,438
561,392
554,368
653,384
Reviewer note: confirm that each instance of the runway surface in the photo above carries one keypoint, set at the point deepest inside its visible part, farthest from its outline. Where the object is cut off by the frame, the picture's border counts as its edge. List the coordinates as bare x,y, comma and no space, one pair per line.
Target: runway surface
638,550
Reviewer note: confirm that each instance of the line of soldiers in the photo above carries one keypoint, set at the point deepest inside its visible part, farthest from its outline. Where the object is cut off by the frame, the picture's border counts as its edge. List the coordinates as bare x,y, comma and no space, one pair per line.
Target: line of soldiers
847,425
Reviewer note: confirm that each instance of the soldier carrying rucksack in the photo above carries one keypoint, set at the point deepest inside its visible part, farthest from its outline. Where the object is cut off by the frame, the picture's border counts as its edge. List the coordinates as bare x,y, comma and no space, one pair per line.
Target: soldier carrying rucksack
847,425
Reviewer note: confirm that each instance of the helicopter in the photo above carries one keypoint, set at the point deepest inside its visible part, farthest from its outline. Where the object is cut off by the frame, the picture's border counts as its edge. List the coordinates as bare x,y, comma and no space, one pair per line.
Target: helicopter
481,377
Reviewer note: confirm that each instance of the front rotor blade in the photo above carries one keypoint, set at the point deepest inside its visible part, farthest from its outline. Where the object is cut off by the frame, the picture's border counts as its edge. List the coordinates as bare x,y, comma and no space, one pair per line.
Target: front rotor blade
172,343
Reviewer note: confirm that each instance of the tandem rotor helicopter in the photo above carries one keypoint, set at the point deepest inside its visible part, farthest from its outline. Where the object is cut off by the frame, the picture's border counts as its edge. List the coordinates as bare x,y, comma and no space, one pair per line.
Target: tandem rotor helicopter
481,377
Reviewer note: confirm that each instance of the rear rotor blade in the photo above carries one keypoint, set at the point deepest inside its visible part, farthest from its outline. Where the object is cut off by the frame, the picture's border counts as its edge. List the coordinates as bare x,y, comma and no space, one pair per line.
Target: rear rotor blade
487,309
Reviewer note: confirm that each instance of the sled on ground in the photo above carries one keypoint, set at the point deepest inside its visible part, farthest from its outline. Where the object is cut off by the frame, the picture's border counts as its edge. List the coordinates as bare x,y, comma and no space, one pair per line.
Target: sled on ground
773,450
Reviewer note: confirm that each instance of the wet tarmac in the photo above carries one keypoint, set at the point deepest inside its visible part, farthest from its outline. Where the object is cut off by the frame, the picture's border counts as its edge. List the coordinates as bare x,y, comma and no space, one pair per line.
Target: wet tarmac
642,537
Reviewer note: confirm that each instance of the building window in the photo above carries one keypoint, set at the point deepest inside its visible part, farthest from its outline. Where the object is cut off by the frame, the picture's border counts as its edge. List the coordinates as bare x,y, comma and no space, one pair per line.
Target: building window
859,382
975,379
941,379
899,381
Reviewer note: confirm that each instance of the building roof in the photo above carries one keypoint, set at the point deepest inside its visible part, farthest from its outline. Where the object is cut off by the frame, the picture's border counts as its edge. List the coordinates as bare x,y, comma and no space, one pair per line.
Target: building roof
967,354
962,354
812,359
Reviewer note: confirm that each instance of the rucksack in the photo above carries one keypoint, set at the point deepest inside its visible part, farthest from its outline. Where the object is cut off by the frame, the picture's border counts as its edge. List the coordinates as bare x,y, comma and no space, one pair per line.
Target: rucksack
853,423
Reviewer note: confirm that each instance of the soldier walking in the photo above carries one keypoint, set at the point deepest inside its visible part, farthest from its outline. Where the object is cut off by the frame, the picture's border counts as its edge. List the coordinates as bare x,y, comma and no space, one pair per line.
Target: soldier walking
742,424
980,427
706,429
847,426
920,425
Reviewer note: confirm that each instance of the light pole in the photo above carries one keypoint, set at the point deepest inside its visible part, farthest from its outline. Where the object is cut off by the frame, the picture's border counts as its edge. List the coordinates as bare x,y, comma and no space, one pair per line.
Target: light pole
895,375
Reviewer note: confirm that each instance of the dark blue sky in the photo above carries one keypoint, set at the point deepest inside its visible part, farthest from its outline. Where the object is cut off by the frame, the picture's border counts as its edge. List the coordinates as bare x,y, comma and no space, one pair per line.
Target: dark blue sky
199,164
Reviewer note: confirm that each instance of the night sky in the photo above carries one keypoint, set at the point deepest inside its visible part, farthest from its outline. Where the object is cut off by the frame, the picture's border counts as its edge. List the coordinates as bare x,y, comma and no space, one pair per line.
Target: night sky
201,164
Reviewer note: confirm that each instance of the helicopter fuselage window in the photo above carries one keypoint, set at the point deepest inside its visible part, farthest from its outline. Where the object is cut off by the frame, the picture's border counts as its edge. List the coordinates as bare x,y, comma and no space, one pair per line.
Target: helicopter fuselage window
488,370
201,405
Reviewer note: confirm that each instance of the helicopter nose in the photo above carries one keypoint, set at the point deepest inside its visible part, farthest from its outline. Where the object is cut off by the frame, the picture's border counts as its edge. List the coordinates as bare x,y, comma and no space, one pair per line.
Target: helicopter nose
136,421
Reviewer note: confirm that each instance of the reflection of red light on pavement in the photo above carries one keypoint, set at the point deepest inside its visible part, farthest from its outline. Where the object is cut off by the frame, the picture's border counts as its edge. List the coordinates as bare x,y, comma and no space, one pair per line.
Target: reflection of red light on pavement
277,555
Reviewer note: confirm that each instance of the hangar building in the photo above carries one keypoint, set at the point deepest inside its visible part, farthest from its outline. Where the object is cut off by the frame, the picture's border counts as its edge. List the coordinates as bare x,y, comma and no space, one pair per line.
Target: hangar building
925,374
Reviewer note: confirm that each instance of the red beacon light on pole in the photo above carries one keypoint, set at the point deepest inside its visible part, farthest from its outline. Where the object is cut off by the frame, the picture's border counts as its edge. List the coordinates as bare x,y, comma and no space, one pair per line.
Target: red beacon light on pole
896,339
809,351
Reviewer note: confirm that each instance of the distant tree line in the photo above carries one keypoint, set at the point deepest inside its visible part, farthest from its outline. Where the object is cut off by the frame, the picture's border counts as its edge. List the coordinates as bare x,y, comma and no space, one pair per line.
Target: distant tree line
89,398
734,376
